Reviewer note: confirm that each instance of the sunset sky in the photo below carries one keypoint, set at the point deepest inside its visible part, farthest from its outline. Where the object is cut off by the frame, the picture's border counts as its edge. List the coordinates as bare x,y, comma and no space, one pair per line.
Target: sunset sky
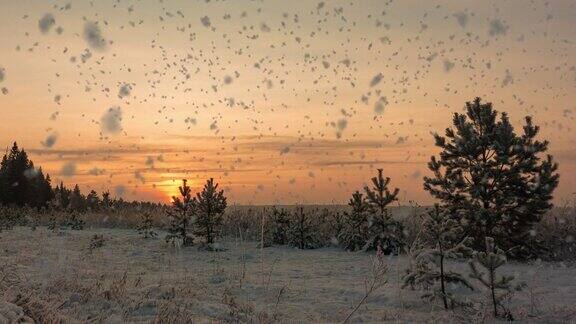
279,101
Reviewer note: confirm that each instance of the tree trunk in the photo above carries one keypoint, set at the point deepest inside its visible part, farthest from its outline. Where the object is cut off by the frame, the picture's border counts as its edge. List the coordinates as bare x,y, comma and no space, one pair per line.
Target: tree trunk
492,290
442,286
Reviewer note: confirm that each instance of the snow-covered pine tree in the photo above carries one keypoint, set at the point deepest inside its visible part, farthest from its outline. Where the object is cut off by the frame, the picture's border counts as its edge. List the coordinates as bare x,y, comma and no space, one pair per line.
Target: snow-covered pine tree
354,232
146,228
180,216
492,179
280,225
443,235
500,288
210,205
383,230
301,233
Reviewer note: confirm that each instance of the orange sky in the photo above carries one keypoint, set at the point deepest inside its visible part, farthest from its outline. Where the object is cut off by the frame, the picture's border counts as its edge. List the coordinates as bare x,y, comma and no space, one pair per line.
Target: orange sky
274,99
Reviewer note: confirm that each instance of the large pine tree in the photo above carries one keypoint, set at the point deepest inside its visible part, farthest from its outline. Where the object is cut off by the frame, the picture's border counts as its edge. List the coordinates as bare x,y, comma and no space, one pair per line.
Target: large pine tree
494,181
21,183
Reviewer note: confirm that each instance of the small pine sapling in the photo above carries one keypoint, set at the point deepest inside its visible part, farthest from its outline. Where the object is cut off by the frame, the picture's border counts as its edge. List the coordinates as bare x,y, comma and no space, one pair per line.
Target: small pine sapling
281,225
301,233
146,228
180,215
337,221
383,230
500,288
444,236
210,205
355,229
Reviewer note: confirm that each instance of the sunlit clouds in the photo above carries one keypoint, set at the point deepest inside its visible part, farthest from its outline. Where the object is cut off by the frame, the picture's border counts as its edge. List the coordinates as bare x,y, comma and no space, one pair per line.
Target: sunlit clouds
280,102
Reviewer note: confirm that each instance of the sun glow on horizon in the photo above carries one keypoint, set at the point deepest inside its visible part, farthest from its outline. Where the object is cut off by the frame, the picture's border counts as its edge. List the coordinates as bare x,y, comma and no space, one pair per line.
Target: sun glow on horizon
279,103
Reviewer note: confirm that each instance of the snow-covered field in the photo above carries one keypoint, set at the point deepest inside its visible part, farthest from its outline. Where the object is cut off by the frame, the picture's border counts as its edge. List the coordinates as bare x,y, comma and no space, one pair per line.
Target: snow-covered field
130,279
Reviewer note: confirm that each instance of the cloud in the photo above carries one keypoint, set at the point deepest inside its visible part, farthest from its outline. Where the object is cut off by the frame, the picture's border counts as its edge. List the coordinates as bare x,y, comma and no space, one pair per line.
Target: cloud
448,66
205,21
68,169
150,162
125,90
95,171
363,162
508,79
111,121
119,190
50,141
138,175
416,174
376,79
497,27
93,36
46,22
380,105
461,18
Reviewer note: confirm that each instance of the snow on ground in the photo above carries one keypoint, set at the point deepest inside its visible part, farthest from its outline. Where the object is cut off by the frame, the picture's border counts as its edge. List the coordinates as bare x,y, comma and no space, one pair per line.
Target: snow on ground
131,279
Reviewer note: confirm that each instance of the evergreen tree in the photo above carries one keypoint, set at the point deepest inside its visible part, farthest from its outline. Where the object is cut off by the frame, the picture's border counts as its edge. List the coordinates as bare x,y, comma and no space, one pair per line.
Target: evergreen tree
77,200
443,234
180,216
146,227
492,179
62,197
21,183
92,201
500,287
106,201
281,224
355,229
210,205
383,230
302,231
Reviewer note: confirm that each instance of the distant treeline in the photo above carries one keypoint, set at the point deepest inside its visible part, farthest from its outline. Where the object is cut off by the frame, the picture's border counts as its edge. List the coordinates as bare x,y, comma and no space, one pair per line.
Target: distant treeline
22,184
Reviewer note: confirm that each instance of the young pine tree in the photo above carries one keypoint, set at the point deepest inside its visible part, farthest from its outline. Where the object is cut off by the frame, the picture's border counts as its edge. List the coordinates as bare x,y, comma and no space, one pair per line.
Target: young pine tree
494,180
302,231
106,202
355,229
500,288
280,226
210,205
146,227
77,200
92,201
383,230
180,217
444,236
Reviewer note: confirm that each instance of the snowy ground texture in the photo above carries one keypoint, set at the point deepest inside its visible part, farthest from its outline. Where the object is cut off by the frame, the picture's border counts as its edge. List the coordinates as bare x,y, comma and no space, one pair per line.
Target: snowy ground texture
49,276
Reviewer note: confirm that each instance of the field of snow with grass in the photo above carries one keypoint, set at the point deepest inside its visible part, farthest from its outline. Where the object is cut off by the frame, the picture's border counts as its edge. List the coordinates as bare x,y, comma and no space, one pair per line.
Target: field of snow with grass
124,278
